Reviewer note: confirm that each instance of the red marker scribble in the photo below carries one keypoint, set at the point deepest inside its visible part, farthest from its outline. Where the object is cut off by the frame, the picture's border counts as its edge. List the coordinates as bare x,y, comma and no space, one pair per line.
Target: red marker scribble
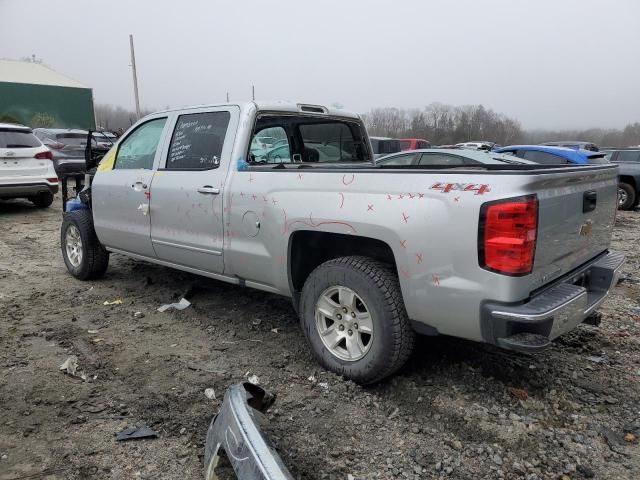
341,199
436,280
147,195
299,176
369,207
313,224
274,201
403,243
418,257
389,197
405,217
242,194
404,272
254,196
457,199
344,179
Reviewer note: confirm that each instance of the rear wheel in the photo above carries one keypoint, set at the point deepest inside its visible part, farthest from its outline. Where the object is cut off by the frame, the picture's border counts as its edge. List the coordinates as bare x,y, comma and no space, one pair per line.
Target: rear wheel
83,254
354,318
42,200
626,196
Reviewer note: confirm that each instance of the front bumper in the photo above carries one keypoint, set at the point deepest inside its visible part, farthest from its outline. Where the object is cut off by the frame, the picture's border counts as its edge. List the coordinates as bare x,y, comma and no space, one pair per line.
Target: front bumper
531,326
236,431
24,190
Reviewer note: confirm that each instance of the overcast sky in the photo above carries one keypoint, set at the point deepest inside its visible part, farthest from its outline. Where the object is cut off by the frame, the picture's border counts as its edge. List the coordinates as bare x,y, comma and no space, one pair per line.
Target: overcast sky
548,63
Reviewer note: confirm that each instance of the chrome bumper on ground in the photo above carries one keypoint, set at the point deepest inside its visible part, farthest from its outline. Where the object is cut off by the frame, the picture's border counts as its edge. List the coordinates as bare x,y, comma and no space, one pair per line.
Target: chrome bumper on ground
531,326
236,431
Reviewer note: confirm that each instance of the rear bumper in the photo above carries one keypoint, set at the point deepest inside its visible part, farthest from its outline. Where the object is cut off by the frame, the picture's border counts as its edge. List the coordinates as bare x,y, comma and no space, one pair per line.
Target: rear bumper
70,165
20,190
531,326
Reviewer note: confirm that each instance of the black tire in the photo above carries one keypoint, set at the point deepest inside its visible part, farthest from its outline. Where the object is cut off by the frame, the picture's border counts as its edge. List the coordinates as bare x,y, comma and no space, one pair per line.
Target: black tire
630,200
95,258
42,200
377,285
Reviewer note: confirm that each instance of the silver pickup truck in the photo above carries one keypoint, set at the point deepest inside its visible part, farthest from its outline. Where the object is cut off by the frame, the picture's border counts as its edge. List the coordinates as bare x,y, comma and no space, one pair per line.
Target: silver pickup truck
512,255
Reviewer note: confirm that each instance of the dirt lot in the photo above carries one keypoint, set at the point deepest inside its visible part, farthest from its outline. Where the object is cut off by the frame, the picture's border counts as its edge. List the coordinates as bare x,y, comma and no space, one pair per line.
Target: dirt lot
457,410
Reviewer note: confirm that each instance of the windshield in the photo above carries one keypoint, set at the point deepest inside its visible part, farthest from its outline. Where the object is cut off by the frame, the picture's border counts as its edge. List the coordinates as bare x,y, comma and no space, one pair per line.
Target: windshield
72,139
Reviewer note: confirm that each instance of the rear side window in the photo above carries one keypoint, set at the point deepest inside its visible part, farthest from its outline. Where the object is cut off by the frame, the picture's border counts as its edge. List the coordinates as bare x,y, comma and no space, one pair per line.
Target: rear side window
197,141
75,139
139,149
18,139
628,156
405,144
543,157
386,147
423,145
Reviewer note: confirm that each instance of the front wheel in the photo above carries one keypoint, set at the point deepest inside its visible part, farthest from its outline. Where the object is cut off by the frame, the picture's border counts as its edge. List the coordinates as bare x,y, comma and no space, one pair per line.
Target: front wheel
83,254
626,196
354,318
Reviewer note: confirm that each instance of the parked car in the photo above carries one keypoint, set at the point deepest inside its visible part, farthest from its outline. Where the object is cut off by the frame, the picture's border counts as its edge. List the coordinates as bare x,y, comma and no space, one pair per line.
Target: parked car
67,146
628,161
554,155
576,145
384,146
413,144
370,255
476,145
26,167
448,157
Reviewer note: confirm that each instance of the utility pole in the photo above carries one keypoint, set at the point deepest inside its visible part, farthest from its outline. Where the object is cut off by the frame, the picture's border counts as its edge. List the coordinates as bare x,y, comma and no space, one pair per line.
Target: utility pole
135,77
253,92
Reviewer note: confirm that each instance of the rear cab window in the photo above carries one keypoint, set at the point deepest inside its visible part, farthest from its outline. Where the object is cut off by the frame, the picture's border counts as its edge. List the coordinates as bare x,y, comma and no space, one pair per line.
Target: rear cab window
306,139
18,138
543,157
625,156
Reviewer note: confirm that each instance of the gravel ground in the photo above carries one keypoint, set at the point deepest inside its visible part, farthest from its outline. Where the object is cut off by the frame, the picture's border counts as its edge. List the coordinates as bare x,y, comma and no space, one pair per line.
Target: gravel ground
458,410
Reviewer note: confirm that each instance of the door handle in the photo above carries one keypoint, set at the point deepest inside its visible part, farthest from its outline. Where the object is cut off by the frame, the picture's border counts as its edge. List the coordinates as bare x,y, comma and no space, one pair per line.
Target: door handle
208,189
139,185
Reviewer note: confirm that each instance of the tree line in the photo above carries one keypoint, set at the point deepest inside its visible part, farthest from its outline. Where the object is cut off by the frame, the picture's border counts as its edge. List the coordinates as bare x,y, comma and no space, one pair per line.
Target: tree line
440,124
447,124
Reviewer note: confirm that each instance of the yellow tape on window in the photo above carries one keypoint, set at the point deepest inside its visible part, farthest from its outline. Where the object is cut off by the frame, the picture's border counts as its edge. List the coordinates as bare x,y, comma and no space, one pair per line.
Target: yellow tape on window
107,161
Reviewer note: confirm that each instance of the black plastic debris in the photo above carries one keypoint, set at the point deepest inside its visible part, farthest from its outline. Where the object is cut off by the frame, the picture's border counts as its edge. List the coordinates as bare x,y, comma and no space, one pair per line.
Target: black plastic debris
133,433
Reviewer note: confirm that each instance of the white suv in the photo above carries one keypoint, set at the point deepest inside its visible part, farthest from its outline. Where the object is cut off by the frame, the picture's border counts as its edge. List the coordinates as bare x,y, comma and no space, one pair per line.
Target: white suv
26,166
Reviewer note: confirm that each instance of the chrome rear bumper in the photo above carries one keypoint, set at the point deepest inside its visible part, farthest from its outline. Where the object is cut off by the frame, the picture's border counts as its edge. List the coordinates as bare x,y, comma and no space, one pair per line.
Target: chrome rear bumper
532,326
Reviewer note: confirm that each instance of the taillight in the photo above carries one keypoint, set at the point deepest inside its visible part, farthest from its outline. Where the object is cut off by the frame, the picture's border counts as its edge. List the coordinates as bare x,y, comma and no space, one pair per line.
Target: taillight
53,180
507,236
44,155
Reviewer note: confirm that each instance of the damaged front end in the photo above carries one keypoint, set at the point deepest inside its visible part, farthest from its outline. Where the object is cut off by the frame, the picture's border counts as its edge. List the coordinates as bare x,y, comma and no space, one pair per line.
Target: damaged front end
236,431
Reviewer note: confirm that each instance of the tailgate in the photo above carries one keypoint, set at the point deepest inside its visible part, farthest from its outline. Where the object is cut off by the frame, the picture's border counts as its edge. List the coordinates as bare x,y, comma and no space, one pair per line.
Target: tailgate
21,162
576,218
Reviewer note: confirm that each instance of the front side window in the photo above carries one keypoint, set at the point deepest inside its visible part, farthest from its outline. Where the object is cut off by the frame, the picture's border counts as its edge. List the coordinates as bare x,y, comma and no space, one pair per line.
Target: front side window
197,141
139,149
628,156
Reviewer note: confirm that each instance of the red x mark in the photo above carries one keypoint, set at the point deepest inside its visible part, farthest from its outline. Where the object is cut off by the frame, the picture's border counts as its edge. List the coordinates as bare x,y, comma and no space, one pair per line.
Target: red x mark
405,217
403,243
369,207
299,176
254,197
456,199
418,257
251,178
435,279
274,201
411,195
421,195
147,194
242,194
400,197
388,197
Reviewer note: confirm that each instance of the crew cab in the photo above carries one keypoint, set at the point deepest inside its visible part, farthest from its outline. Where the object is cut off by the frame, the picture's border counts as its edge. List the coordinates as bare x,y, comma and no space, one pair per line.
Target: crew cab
510,254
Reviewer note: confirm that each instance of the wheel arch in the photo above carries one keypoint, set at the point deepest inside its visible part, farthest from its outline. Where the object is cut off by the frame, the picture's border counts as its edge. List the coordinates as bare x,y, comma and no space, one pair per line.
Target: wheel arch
308,249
